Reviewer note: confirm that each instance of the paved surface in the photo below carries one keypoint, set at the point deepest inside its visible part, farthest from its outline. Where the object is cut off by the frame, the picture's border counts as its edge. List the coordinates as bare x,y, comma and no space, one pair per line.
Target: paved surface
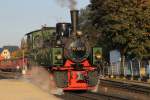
22,90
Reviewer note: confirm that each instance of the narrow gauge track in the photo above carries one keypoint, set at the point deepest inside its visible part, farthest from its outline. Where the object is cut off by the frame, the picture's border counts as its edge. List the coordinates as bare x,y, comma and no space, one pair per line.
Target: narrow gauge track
9,75
128,86
91,96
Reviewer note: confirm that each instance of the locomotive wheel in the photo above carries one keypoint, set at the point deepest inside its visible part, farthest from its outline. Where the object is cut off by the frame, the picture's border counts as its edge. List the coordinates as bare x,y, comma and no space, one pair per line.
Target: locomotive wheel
61,78
93,78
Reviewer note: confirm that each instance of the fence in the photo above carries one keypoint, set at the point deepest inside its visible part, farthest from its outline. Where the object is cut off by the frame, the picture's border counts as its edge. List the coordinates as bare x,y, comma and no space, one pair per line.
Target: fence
132,68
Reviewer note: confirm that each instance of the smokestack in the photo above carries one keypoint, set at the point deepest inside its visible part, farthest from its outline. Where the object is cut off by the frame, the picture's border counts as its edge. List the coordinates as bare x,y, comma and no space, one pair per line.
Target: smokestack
74,20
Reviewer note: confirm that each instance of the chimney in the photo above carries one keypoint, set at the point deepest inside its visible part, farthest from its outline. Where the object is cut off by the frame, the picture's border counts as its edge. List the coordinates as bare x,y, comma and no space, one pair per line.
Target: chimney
74,20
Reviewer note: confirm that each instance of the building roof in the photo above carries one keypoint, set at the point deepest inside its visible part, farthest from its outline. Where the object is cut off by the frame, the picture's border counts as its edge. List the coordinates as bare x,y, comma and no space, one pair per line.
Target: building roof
1,49
45,28
10,48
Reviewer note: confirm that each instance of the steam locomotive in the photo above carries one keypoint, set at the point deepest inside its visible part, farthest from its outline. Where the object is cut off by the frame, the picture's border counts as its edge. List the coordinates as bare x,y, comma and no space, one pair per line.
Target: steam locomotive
66,52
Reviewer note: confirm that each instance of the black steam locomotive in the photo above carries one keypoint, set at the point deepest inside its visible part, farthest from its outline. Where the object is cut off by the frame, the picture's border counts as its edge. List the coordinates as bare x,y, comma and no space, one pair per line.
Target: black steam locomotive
66,52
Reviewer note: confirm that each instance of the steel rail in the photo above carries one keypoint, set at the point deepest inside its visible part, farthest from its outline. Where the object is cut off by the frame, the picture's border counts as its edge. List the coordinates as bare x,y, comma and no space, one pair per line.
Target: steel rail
96,96
126,85
9,75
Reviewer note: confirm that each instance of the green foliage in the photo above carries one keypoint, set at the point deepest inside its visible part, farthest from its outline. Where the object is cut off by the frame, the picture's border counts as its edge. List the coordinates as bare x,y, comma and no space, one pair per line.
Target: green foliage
123,24
87,27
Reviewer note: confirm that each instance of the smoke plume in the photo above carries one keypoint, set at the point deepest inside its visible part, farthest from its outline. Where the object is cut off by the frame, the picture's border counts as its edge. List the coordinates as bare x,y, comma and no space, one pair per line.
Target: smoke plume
44,80
69,3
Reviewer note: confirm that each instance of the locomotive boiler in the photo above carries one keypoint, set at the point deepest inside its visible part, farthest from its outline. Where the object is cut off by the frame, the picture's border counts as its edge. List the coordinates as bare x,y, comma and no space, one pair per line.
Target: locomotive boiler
66,52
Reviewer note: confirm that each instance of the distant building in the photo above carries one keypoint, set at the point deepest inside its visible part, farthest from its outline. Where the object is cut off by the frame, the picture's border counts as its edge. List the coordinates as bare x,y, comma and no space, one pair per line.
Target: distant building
1,49
11,48
6,51
5,54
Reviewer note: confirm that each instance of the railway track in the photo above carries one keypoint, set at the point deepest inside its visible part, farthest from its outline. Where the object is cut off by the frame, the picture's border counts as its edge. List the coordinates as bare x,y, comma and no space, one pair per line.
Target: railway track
9,75
91,96
128,86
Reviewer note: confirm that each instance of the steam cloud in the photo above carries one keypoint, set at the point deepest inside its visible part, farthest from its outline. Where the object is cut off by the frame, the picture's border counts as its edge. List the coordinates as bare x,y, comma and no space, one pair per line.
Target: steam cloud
69,3
44,80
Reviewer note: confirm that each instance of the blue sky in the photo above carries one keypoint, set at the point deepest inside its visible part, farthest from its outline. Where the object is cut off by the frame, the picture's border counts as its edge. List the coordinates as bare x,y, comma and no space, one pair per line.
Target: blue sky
18,17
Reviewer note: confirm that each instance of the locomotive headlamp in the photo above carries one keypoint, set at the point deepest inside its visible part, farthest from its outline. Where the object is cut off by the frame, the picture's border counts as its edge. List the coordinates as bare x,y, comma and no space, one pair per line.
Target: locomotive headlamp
98,56
58,42
59,56
79,33
18,67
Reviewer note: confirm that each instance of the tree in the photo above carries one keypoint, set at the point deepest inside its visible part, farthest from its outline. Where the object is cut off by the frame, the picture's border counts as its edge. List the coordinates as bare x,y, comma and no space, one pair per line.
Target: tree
123,24
87,27
94,34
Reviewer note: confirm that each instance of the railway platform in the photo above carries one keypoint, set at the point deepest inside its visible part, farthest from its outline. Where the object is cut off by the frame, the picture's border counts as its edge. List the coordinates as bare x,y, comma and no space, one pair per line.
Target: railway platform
12,89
